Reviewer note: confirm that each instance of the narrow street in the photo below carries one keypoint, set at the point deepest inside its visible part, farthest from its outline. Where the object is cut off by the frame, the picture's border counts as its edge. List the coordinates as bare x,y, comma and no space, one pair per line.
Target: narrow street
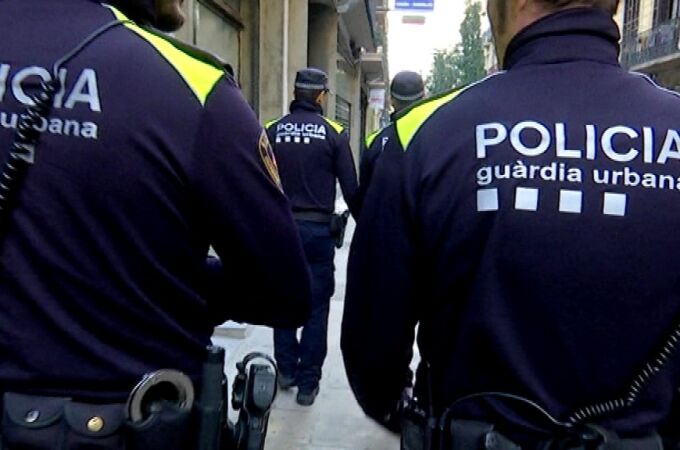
335,421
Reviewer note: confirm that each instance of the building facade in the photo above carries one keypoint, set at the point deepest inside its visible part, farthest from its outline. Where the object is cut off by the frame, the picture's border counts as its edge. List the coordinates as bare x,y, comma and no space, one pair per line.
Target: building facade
375,67
491,64
267,41
490,58
651,39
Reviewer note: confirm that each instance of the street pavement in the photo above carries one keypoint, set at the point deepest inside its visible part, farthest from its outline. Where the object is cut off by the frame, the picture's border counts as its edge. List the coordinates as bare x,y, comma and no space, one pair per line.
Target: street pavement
335,421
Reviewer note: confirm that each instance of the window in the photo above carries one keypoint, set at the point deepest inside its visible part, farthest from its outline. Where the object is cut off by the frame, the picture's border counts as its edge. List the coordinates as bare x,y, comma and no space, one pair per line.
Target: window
631,21
217,34
664,10
343,113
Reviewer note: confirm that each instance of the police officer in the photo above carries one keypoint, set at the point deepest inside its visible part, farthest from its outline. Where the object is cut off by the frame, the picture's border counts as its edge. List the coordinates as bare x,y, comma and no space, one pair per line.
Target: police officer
148,156
531,241
312,151
406,89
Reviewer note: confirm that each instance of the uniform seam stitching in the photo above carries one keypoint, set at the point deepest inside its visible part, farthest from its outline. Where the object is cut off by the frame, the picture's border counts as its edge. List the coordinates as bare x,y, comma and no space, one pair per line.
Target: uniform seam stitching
197,137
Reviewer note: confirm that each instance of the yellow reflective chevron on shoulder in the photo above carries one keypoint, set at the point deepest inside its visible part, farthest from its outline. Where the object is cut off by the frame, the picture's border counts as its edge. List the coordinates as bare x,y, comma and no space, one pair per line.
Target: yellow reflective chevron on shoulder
409,124
336,126
270,123
201,77
371,137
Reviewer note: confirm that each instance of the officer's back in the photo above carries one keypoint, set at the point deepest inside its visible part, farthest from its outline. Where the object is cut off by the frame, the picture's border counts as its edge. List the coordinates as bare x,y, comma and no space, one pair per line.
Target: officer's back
534,241
149,156
312,151
406,89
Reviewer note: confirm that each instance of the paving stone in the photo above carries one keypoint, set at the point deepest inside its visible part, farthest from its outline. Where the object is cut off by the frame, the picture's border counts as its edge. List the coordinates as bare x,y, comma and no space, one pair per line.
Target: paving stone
335,421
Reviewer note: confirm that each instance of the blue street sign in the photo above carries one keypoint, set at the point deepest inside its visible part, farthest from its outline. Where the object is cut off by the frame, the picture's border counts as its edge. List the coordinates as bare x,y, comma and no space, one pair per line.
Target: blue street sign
414,5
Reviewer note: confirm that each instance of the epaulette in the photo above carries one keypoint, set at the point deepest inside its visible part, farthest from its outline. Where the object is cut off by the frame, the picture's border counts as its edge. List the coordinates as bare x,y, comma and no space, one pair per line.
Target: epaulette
336,126
412,119
200,70
370,139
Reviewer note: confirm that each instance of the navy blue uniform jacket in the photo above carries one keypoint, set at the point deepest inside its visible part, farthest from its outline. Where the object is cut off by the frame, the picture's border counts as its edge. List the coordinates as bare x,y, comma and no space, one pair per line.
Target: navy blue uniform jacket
533,236
312,152
374,147
149,157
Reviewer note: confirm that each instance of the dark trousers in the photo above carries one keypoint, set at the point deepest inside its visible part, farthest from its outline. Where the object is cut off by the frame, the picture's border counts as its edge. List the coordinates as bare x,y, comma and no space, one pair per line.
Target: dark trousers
303,359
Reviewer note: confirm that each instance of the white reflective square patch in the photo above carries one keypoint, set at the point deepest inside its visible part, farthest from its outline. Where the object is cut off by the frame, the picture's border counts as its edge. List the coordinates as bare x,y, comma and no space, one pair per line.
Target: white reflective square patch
615,204
526,199
571,201
487,200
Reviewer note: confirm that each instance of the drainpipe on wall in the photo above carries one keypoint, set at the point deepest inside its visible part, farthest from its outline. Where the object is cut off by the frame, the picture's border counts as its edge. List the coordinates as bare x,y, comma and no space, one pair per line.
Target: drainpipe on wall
195,24
284,77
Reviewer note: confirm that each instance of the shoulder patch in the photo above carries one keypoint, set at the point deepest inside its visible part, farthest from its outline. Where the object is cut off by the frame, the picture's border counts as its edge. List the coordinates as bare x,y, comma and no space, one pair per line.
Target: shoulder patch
269,160
335,125
200,76
372,137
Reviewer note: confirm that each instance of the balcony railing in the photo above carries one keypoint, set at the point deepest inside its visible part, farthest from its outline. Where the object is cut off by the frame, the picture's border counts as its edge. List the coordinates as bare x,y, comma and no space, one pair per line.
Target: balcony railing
650,45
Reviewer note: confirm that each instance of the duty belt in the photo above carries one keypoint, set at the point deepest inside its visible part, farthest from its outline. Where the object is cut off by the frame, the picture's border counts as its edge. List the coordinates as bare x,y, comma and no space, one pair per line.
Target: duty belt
469,435
313,216
473,435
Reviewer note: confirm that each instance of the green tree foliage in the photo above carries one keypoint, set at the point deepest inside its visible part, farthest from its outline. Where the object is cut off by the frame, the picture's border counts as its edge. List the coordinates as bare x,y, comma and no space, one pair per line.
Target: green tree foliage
444,73
465,63
471,61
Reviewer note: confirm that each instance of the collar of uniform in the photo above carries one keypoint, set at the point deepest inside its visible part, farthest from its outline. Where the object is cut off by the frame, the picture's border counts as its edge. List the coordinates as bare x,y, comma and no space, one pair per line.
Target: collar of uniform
142,12
301,105
395,115
571,35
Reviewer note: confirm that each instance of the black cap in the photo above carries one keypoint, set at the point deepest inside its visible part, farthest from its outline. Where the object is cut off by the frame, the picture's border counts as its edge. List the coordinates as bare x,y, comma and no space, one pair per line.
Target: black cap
311,78
407,87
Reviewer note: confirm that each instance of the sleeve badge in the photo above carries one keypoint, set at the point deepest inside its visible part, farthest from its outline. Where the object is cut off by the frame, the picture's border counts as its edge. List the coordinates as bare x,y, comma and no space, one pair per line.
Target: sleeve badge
269,160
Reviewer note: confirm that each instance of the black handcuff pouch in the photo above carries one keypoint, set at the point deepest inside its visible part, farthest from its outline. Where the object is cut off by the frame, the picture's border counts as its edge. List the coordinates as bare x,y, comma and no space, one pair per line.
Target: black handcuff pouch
169,428
46,423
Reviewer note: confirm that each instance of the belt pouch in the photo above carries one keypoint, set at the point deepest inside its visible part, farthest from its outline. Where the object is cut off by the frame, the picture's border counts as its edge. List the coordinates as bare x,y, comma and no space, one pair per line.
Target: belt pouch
468,435
94,427
414,421
32,422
